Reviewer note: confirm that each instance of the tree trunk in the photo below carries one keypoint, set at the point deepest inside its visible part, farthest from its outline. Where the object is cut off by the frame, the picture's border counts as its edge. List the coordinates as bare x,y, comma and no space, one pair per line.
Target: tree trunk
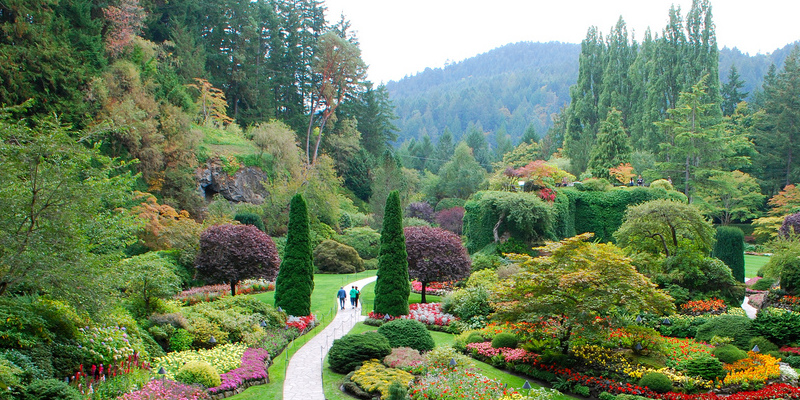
233,287
497,226
424,286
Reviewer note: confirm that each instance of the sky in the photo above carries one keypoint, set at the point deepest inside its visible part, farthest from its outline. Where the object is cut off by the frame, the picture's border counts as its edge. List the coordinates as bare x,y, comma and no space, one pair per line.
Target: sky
401,38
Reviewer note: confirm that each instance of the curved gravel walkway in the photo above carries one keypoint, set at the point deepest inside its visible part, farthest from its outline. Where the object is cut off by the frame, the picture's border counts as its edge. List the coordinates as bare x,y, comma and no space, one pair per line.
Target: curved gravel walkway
303,379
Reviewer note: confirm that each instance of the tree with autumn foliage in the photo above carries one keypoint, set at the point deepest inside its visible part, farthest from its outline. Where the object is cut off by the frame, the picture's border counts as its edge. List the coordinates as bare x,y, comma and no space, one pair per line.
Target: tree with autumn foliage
211,103
230,253
623,172
435,254
786,202
578,284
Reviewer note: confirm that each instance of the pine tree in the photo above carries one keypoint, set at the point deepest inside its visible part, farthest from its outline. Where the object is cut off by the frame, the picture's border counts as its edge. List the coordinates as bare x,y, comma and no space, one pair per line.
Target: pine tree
295,280
612,147
731,96
444,150
729,248
392,287
530,135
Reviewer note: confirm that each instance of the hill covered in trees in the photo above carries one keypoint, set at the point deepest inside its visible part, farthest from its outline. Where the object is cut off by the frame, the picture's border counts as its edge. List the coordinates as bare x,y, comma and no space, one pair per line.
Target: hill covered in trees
517,86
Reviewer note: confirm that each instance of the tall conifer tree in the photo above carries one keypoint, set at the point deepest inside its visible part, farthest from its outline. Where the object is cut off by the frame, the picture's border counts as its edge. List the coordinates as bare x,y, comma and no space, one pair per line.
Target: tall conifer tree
295,280
612,147
392,287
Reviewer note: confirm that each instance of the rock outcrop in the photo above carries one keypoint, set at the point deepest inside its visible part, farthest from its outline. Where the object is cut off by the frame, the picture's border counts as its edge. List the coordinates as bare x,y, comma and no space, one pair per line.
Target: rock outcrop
244,186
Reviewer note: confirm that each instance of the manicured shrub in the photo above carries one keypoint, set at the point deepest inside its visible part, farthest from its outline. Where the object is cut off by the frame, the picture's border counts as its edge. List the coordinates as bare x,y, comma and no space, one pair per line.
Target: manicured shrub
732,326
595,185
729,248
351,350
407,333
51,389
199,372
332,257
778,326
729,353
475,337
790,277
248,218
764,345
662,184
763,284
365,240
656,382
505,339
705,366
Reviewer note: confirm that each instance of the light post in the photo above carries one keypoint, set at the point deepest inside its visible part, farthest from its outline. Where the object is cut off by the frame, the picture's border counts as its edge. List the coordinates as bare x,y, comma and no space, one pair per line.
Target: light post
521,186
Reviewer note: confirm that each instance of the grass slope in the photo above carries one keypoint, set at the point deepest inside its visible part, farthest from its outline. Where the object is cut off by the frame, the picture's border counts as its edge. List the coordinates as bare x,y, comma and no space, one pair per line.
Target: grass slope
752,264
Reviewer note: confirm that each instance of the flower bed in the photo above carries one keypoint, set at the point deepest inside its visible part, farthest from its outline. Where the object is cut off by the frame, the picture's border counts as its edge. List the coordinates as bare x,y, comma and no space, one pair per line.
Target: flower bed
215,292
253,368
443,383
161,389
787,349
427,313
679,350
756,368
223,358
700,307
302,323
373,377
433,288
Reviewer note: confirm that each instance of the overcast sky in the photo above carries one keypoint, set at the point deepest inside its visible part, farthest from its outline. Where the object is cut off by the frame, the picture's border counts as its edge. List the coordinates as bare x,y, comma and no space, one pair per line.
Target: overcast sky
400,38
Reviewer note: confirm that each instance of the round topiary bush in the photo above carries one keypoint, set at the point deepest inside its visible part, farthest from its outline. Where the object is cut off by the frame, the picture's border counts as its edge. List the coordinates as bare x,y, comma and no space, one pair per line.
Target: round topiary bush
407,333
332,257
505,339
729,353
475,337
704,366
732,326
656,382
764,345
198,372
51,389
350,351
661,183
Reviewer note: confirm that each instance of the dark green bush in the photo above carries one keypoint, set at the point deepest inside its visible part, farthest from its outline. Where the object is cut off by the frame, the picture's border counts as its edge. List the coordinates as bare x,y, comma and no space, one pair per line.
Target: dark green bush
448,203
407,333
51,389
656,382
198,372
764,345
30,371
595,185
365,240
180,340
248,218
351,350
794,361
397,391
729,248
729,353
732,326
332,257
505,339
705,366
20,325
779,327
790,277
763,284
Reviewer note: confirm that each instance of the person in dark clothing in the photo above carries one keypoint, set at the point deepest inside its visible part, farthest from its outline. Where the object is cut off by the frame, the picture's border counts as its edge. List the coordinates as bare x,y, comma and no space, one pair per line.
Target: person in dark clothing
341,295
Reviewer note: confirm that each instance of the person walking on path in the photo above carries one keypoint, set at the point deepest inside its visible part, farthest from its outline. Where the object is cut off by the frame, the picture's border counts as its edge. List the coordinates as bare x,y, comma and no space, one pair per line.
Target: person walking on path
358,294
353,296
303,379
341,295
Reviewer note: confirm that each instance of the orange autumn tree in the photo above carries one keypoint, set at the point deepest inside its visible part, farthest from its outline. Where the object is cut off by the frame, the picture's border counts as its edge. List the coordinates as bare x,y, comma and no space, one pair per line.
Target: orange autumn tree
623,172
782,204
576,285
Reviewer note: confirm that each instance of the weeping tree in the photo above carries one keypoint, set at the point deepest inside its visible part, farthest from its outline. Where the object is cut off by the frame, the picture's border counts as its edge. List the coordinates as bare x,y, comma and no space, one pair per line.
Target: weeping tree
392,287
295,280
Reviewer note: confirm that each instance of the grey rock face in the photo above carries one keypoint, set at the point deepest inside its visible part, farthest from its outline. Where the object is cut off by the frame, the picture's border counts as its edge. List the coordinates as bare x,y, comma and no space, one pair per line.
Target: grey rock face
244,186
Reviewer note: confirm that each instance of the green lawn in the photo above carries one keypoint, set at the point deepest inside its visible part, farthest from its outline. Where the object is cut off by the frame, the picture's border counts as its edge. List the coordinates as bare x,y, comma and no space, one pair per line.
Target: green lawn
752,264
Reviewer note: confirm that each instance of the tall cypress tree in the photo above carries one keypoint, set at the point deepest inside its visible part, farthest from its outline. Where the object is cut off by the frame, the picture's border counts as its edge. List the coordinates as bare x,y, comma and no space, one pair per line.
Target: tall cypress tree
729,248
392,287
295,280
612,147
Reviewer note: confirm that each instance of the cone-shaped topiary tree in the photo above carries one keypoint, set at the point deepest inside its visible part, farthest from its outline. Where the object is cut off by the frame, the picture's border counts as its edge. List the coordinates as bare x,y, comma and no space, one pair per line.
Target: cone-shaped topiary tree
392,287
295,280
729,248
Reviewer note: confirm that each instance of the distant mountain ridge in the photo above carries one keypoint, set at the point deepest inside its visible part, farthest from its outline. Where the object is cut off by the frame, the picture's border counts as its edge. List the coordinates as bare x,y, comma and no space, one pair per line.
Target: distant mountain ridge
516,85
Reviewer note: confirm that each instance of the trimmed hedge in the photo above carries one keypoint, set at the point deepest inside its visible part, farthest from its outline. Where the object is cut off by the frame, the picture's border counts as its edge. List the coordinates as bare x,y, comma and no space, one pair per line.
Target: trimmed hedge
729,353
732,326
505,339
656,382
730,249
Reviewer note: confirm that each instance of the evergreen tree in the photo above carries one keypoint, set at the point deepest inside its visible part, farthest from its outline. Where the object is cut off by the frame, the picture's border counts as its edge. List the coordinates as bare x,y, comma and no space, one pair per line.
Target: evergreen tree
502,143
530,136
612,147
444,150
476,140
392,287
461,175
731,96
729,248
388,177
619,57
295,280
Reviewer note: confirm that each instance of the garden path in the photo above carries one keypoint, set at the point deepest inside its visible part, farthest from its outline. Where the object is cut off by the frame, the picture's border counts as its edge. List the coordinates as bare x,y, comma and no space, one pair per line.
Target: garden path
303,379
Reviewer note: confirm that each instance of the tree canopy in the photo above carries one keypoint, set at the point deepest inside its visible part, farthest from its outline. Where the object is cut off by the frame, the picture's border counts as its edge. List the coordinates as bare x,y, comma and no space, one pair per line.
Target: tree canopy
662,226
435,254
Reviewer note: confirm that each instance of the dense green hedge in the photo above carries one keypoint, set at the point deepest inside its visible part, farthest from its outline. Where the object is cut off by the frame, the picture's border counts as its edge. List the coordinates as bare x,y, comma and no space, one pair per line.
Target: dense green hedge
729,248
532,220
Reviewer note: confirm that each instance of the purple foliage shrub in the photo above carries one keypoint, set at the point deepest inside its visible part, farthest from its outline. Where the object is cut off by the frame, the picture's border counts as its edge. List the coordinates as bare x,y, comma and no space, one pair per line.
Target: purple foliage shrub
451,219
790,226
421,210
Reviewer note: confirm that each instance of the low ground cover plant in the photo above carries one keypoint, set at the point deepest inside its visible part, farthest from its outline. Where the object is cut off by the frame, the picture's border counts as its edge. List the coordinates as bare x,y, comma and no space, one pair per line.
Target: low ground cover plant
223,358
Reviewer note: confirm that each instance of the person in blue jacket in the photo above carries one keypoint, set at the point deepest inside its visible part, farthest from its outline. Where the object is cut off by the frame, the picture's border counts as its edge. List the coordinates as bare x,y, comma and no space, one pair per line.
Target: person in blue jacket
341,295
